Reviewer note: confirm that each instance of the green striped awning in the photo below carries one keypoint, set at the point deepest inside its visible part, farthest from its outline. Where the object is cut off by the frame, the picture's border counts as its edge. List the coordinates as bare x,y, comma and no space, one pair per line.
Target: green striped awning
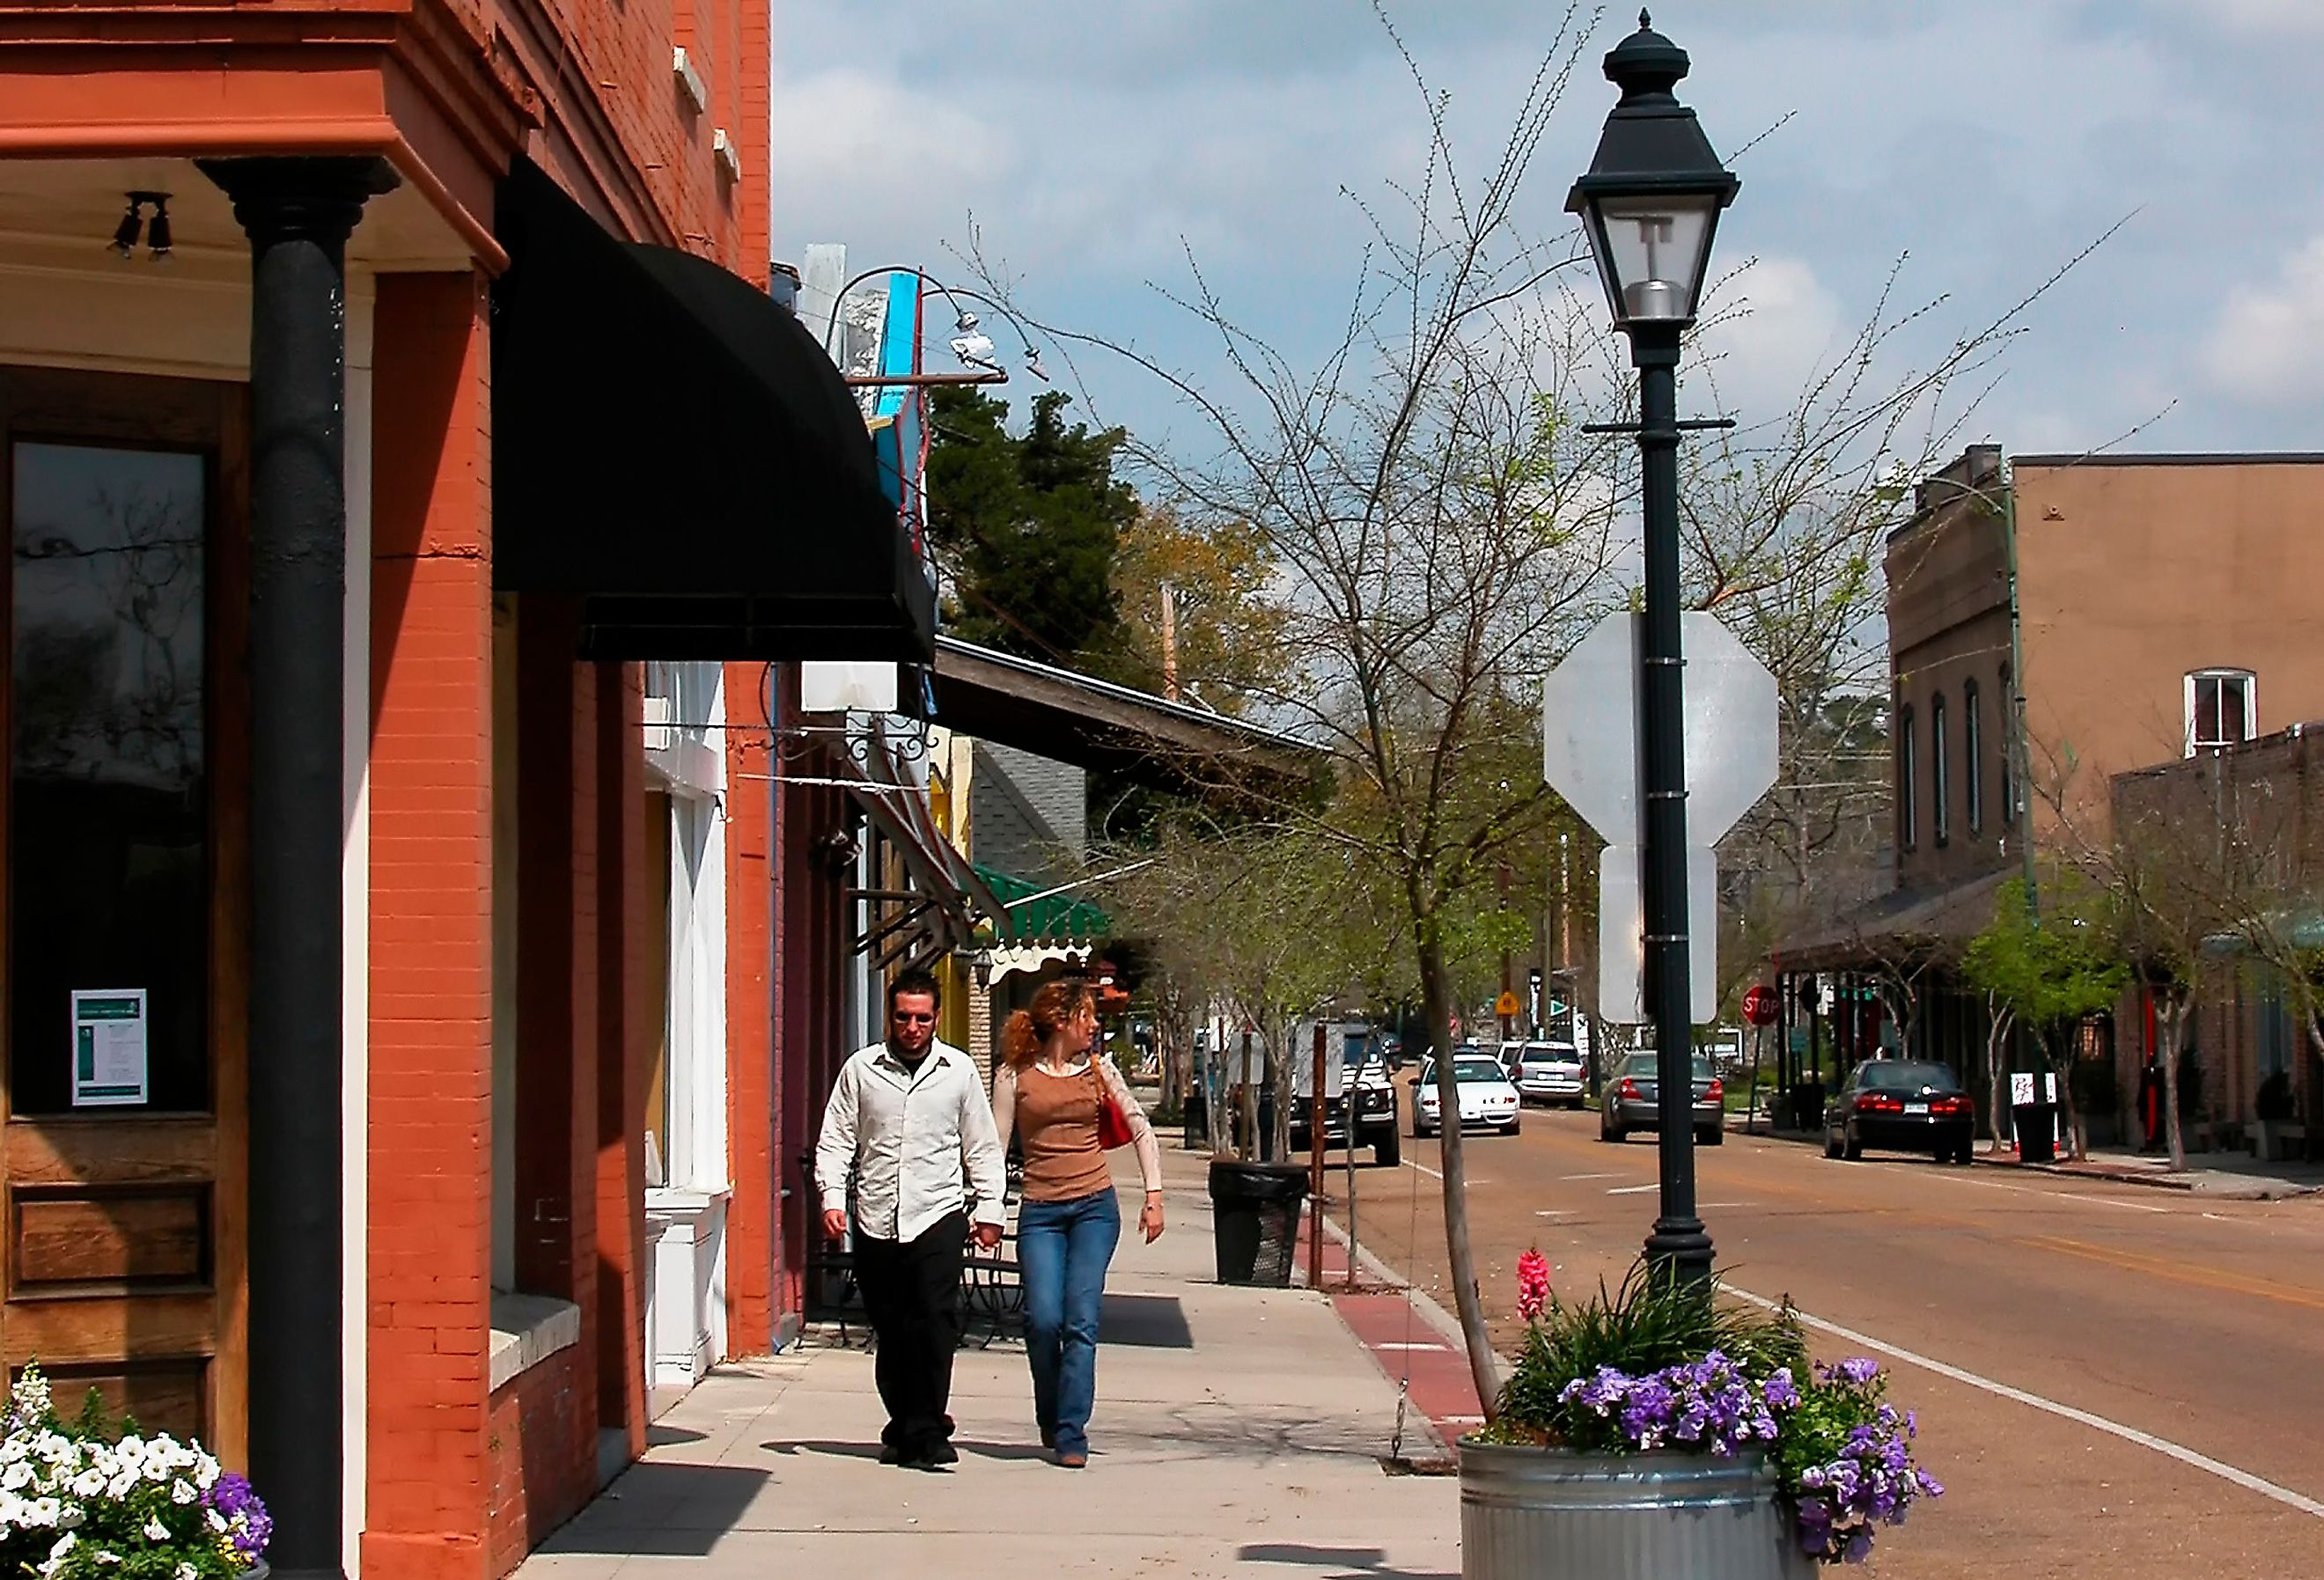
1048,919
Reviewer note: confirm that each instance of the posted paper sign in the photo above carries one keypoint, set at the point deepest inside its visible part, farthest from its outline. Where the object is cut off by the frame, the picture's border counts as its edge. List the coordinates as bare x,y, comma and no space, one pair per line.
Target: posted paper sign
109,1055
2021,1089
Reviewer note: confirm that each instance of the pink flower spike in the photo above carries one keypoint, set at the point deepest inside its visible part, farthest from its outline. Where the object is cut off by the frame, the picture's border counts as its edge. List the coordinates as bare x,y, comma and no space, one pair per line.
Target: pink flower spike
1533,1284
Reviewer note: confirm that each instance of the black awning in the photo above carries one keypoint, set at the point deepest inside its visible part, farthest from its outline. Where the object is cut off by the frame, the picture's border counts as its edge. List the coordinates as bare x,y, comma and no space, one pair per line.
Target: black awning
672,448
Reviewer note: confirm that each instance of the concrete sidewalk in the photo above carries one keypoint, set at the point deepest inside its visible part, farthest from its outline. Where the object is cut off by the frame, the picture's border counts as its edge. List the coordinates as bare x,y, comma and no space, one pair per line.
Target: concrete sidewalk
1237,1432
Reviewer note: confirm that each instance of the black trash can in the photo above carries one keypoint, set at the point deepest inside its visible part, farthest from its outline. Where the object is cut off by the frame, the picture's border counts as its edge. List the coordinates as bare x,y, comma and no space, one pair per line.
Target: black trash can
1255,1220
1807,1106
2037,1131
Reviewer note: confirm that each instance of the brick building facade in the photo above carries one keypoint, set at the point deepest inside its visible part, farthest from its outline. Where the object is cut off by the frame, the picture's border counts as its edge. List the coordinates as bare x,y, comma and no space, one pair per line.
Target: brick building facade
401,583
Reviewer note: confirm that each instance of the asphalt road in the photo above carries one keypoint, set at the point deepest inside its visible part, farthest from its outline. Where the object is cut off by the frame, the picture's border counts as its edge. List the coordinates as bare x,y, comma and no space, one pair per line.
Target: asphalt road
2192,1323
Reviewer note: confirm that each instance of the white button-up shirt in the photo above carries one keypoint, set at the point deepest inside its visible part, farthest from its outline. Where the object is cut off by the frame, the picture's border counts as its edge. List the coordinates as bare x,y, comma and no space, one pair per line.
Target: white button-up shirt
918,1142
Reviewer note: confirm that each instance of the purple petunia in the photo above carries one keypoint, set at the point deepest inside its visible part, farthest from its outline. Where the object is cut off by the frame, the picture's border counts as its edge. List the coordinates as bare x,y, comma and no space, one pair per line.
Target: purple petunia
249,1527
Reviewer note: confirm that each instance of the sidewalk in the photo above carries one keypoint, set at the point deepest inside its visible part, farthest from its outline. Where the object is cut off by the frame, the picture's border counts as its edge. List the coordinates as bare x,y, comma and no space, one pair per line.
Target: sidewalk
1238,1433
2229,1176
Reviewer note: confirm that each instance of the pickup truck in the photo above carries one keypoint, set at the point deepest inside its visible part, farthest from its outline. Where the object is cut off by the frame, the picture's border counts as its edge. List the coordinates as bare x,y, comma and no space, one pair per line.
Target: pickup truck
1354,1071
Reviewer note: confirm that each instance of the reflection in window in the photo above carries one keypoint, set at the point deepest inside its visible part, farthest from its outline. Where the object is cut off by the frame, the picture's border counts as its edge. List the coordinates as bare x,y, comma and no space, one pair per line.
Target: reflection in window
108,810
1941,771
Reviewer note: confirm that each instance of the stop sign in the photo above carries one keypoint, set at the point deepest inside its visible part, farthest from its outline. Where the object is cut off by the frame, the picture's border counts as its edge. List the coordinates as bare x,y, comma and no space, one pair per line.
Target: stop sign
1759,1006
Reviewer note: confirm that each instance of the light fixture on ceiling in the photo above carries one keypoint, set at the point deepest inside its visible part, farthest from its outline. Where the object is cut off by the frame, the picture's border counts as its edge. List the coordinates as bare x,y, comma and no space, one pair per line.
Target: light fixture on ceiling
134,223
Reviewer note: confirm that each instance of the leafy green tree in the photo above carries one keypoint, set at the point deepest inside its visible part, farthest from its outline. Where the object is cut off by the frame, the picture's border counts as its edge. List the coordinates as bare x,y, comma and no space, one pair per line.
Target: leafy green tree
1027,526
2051,970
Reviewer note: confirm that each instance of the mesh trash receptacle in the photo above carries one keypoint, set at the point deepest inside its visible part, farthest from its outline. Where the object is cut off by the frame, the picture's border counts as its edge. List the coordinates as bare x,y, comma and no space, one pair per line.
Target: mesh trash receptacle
1255,1217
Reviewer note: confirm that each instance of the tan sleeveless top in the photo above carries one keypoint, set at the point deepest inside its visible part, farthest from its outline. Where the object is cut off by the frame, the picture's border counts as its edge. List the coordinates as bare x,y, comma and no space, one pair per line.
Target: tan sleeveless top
1057,1117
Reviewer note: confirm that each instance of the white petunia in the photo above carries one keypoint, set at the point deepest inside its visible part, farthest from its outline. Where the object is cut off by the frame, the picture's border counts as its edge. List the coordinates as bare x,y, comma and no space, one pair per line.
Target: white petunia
216,1520
155,1530
182,1493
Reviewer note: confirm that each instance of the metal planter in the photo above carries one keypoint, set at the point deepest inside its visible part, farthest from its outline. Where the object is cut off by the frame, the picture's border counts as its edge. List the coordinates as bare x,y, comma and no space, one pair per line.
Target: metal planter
1528,1513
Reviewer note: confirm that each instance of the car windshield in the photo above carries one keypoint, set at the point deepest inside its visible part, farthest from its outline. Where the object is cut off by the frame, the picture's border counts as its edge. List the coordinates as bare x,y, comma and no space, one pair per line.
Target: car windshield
1478,1069
1641,1067
1897,1075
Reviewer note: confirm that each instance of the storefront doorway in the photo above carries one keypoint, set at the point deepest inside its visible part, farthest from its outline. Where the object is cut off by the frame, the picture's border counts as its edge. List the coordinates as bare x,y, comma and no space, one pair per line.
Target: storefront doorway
124,847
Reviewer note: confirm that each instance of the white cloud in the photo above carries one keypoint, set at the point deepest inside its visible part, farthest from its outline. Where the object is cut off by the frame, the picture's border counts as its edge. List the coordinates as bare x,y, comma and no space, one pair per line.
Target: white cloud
857,153
2268,345
2304,17
1770,328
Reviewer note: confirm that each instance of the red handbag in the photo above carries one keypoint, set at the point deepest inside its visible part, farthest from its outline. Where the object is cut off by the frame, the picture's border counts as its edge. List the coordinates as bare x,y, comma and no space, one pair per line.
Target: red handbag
1112,1129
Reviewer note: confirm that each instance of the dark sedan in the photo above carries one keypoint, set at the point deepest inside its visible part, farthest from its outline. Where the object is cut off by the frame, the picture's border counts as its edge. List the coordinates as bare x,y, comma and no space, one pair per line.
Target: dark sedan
1901,1105
1632,1101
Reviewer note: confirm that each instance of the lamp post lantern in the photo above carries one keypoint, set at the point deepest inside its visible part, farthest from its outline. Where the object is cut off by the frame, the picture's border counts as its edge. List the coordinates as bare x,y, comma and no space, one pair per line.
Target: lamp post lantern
1649,205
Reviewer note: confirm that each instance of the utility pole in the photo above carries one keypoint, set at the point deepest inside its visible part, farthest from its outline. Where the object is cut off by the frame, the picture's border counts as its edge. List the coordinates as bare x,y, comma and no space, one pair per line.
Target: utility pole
1508,984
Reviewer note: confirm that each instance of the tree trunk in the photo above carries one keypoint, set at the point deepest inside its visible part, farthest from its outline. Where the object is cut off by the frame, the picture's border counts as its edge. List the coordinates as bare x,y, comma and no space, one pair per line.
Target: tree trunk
2003,1020
1288,1062
2062,1064
1246,1135
2171,1026
1436,997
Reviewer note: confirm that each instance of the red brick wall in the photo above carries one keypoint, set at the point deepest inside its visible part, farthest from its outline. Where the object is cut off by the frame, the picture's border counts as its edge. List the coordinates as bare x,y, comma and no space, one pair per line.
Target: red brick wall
753,1123
430,1016
541,1453
624,137
626,1029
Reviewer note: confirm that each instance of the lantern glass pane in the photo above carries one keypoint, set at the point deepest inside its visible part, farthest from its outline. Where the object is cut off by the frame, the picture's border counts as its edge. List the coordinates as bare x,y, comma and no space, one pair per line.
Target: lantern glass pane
1655,247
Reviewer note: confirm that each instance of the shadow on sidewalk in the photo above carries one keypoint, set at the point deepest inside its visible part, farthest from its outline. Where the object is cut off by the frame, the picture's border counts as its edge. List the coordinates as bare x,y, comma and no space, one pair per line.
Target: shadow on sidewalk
1146,1321
1350,1563
673,1510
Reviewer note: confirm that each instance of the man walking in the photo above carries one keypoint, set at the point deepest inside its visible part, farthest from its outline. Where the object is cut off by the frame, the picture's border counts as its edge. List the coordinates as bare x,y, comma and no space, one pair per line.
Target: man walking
908,1122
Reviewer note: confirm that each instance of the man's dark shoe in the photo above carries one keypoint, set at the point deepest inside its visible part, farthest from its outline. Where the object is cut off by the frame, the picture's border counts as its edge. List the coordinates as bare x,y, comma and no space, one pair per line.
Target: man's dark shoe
891,1455
941,1453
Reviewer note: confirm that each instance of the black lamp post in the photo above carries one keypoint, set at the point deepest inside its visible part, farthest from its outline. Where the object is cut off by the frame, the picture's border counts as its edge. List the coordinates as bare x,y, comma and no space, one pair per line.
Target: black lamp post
1649,205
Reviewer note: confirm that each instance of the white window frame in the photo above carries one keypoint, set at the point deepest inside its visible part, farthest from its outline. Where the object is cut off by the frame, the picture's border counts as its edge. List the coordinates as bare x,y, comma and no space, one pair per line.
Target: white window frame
2250,682
688,761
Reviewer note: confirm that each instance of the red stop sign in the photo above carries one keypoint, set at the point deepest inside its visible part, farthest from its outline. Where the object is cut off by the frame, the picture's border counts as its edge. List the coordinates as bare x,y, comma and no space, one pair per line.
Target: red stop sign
1759,1006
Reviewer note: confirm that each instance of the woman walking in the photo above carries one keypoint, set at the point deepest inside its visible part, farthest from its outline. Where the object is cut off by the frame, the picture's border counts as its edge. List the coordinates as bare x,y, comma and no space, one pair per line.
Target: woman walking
1058,1093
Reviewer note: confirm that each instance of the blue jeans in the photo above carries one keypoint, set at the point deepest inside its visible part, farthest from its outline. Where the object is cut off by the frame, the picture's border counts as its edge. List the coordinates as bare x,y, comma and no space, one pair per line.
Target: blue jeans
1063,1248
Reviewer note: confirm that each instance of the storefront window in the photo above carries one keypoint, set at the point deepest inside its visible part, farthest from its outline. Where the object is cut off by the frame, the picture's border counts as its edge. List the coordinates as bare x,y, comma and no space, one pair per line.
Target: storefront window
108,787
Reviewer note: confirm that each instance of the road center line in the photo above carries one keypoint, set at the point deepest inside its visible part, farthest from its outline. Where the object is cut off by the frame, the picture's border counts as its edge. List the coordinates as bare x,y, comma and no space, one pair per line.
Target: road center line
1632,1189
2184,1456
1577,1179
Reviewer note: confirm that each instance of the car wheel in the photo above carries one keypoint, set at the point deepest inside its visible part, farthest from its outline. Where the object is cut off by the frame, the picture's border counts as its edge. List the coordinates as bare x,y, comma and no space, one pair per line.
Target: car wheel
1709,1136
1610,1132
1388,1149
1850,1148
1831,1142
1514,1125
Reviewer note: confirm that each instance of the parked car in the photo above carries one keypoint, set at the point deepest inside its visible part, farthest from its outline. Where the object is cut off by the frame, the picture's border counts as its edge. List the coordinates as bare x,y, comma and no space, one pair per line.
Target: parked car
1548,1072
1364,1079
1487,1101
1903,1105
1632,1101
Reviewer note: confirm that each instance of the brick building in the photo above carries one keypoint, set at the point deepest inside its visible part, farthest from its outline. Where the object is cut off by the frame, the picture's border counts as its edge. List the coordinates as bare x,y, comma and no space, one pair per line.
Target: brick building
414,514
2236,836
2054,622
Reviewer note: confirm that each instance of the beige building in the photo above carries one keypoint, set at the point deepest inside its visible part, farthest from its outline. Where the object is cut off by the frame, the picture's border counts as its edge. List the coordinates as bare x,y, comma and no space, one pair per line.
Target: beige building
2054,622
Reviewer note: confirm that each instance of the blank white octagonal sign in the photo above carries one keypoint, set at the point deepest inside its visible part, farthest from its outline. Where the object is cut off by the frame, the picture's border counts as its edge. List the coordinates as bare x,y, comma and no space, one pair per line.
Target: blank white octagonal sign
1589,728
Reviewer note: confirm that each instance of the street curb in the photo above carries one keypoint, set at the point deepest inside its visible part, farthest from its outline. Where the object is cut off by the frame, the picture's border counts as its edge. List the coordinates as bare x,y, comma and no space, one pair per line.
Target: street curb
1447,1326
2230,1185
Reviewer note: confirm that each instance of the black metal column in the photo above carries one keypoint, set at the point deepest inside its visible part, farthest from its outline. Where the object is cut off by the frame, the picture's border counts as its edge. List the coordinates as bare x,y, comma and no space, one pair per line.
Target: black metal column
1679,1240
298,213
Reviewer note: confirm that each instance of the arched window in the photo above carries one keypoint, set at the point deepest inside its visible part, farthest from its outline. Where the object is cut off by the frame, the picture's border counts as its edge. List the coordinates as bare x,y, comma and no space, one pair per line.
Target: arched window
2010,745
1908,832
1939,773
1973,754
2220,710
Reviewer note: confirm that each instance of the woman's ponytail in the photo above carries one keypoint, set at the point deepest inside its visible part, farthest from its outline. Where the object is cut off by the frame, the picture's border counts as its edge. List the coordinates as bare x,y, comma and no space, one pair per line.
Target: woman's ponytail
1054,1007
1021,1039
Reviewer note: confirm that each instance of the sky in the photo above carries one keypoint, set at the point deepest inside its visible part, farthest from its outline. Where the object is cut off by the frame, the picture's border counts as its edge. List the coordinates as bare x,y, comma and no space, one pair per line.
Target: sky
1096,148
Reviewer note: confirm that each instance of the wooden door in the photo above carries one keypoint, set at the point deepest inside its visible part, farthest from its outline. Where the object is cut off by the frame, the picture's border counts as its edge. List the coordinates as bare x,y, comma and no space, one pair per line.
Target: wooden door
123,811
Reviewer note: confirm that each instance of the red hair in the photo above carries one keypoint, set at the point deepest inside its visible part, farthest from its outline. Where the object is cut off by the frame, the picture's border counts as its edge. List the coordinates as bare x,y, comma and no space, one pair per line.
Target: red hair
1054,1007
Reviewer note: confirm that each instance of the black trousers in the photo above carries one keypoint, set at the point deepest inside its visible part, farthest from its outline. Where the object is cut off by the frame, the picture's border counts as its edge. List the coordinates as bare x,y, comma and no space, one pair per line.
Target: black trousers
911,1294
